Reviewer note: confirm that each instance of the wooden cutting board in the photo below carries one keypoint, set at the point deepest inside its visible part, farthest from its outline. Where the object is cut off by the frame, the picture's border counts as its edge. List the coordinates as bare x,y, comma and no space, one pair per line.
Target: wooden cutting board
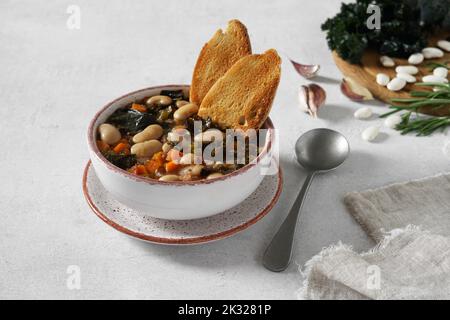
365,74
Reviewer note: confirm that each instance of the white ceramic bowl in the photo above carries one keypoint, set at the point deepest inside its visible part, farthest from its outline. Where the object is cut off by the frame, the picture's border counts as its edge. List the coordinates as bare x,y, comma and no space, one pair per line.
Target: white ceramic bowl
177,200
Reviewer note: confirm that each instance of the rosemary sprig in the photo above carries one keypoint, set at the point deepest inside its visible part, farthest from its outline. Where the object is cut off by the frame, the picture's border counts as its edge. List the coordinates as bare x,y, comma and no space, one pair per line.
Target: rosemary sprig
433,65
422,125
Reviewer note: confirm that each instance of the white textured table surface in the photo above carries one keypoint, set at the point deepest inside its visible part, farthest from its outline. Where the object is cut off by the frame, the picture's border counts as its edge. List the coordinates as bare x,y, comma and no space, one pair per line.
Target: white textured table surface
54,79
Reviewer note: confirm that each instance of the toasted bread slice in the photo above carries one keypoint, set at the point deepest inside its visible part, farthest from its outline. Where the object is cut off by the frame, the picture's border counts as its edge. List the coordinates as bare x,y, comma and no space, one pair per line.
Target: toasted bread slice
217,56
242,98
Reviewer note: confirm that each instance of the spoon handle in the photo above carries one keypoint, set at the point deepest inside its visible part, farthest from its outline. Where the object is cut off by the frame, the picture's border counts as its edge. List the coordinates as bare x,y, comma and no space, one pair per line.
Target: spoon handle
278,253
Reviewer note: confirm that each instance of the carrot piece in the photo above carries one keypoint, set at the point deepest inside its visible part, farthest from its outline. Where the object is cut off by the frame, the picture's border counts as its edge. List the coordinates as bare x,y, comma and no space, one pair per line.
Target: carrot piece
102,146
171,166
155,162
140,170
138,107
121,147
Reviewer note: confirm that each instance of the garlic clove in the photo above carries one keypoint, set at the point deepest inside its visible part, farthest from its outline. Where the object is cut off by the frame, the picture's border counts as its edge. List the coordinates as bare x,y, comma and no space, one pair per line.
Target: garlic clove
306,70
311,98
354,91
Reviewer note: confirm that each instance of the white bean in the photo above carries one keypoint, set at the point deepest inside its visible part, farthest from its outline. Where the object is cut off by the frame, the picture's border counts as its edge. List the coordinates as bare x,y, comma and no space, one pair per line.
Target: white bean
416,58
444,44
407,77
181,103
169,177
363,113
387,61
383,79
177,134
208,136
370,133
146,149
407,69
194,170
440,72
185,112
109,133
166,147
214,175
433,78
152,132
392,120
396,84
431,53
159,101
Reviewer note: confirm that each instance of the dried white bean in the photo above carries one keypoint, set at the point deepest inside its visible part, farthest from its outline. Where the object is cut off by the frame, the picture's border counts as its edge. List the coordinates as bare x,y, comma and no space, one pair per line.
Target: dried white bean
392,120
109,133
433,78
431,53
396,84
440,72
185,112
407,69
146,149
387,61
363,113
370,133
169,177
416,58
444,44
152,132
407,77
383,79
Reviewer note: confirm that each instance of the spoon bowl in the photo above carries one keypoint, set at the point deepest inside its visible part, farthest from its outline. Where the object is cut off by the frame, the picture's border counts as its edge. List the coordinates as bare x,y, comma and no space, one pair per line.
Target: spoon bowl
317,150
321,149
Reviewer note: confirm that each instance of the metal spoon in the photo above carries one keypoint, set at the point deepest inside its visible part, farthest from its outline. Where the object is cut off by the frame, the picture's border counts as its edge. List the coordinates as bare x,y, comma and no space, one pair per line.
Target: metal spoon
316,150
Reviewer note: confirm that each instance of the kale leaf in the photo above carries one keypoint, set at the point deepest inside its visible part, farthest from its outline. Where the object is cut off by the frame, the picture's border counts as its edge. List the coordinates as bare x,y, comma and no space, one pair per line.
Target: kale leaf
174,94
405,27
122,161
131,121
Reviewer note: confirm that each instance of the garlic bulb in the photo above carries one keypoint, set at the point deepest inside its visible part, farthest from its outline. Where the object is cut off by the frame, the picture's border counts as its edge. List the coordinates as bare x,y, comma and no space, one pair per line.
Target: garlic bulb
311,98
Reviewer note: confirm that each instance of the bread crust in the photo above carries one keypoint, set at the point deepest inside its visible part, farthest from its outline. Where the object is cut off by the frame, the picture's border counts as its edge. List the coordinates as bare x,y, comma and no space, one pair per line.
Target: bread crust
243,96
217,56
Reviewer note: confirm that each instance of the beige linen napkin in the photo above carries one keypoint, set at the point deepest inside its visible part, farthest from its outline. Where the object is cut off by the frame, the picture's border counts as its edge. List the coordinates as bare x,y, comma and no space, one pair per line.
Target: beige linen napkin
412,261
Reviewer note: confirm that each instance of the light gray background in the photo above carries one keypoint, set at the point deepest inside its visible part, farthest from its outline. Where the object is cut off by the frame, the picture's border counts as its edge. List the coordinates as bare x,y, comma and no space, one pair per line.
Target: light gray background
54,79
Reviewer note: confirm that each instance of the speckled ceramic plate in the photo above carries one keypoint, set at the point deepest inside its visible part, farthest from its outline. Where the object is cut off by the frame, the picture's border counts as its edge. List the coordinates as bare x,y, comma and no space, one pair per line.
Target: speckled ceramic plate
141,225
